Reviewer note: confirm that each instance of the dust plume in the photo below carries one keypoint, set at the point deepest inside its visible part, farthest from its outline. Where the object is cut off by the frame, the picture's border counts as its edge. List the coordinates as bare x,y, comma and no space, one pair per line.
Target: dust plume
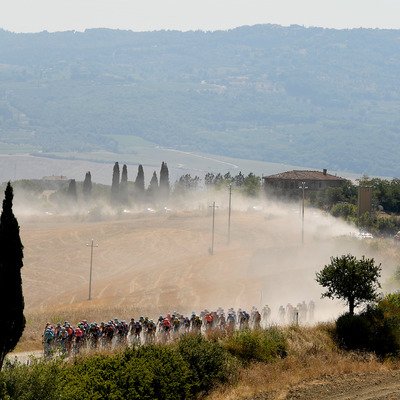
157,259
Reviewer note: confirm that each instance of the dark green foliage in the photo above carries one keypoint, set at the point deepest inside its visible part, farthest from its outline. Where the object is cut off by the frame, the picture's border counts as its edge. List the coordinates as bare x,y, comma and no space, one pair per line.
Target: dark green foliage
39,380
71,191
149,372
87,185
373,330
115,184
164,181
139,182
208,361
152,190
344,210
260,345
186,183
351,280
12,320
123,188
252,185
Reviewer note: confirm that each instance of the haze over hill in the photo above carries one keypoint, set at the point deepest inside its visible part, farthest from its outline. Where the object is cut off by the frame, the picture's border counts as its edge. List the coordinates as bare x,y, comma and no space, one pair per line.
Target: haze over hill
319,98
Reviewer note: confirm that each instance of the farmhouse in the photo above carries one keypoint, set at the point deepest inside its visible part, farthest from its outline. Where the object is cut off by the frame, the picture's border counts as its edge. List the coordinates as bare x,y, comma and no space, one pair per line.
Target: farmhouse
288,183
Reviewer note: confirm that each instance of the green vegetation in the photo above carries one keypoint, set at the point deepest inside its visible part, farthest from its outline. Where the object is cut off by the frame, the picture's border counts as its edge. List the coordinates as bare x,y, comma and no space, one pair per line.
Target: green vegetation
192,366
376,329
293,95
351,280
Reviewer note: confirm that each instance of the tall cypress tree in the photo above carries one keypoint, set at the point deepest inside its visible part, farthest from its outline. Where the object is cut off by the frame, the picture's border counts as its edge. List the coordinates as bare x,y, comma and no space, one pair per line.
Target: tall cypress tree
139,183
87,185
115,184
12,320
152,190
71,192
123,188
164,181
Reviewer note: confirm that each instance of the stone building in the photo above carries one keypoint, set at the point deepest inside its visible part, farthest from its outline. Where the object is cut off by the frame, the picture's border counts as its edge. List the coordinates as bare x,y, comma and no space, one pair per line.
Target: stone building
288,183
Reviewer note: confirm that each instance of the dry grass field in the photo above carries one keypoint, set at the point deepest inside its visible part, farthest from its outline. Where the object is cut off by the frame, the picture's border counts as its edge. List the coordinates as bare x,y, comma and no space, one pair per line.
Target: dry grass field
150,263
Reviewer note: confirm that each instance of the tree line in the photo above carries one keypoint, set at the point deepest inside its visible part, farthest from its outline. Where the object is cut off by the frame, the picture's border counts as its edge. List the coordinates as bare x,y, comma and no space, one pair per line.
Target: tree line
343,202
124,192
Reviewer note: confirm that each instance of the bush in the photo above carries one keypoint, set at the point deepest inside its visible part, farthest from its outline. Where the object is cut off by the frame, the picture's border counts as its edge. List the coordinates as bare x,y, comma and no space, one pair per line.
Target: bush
259,345
149,372
373,330
208,361
352,332
39,380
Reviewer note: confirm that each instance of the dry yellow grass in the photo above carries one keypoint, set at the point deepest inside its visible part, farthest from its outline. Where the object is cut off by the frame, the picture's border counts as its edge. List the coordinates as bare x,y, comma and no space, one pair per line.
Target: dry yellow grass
311,354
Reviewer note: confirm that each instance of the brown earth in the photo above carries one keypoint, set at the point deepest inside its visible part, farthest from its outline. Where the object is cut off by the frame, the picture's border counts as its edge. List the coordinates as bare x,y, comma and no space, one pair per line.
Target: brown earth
371,386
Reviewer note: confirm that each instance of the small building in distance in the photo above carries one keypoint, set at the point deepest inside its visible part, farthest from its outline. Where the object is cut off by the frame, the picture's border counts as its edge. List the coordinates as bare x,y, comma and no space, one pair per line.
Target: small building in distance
288,183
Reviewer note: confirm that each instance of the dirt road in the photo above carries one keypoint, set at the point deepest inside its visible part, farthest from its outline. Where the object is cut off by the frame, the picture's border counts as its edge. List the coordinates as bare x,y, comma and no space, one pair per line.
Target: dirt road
374,386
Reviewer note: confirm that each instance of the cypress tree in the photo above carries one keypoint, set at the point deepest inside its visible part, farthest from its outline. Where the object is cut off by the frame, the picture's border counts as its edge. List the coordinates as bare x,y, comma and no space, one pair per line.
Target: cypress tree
153,187
12,320
71,192
139,183
164,181
87,185
123,189
115,184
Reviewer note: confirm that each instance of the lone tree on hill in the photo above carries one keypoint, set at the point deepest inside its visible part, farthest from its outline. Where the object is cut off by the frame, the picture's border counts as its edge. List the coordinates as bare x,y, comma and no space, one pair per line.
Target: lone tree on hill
115,184
351,280
12,320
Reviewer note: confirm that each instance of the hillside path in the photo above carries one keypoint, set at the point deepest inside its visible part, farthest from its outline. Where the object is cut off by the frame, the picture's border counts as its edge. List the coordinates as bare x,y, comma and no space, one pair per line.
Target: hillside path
371,386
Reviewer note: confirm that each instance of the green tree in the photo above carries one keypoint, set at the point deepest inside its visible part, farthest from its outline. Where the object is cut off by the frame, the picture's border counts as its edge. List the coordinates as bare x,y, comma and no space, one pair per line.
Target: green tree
123,188
351,280
71,192
87,185
252,185
139,183
115,184
152,190
164,181
12,320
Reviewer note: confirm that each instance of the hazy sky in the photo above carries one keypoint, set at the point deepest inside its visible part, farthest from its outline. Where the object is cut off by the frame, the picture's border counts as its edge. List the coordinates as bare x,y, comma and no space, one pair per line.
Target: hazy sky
145,15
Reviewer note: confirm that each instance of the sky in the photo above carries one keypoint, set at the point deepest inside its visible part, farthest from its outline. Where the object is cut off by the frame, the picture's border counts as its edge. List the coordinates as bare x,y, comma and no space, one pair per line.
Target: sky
185,15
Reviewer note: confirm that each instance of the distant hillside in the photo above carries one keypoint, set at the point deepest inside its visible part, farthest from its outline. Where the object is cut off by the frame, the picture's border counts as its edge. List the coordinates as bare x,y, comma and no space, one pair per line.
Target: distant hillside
302,96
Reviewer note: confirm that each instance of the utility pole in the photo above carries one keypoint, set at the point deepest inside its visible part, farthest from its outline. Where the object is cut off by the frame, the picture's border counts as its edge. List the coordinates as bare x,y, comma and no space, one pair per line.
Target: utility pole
229,213
91,265
303,187
211,250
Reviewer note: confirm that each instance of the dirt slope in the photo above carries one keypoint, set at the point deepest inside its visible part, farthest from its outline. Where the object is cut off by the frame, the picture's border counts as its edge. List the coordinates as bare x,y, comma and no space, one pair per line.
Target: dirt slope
372,386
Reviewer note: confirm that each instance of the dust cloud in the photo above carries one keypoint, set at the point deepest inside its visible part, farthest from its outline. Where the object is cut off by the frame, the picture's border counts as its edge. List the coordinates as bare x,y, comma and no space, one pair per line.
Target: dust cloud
158,259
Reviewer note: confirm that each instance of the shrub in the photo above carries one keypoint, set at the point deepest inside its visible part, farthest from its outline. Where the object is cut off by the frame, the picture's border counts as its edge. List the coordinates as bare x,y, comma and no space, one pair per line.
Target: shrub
39,380
260,345
373,330
149,372
208,361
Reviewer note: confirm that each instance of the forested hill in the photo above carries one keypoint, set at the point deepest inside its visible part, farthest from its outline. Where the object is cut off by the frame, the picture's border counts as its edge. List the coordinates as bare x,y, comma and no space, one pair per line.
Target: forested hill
317,97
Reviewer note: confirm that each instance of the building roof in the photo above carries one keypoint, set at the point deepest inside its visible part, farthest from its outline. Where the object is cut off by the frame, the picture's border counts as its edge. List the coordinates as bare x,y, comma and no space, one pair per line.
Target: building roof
305,176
